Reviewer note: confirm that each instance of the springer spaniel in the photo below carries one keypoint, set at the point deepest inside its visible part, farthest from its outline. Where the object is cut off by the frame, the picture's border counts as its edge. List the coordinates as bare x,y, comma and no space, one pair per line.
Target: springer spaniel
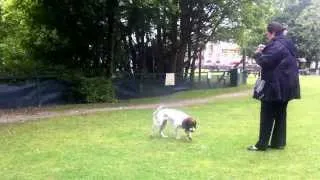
177,118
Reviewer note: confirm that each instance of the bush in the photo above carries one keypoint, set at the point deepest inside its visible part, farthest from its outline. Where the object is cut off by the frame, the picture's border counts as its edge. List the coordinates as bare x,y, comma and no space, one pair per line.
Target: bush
97,89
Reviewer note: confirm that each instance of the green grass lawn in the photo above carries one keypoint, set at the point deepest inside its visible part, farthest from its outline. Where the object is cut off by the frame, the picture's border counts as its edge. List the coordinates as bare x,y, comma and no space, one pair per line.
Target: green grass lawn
117,145
193,94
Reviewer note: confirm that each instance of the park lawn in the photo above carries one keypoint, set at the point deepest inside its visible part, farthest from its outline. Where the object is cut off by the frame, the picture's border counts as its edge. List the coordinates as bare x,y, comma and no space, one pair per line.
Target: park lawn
182,95
117,145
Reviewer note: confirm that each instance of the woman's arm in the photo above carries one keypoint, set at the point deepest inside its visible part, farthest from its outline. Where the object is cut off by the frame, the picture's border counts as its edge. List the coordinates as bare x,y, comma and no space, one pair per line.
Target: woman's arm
270,56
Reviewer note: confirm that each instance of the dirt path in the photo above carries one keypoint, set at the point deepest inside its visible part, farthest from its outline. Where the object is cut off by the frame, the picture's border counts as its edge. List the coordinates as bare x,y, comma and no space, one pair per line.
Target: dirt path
11,117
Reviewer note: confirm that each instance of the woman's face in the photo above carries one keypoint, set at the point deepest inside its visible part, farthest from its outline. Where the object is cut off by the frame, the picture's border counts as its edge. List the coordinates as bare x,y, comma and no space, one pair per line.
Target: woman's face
270,35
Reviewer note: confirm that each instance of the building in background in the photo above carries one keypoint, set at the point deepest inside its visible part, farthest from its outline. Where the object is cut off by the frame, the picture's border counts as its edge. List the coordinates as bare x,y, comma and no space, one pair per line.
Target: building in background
220,55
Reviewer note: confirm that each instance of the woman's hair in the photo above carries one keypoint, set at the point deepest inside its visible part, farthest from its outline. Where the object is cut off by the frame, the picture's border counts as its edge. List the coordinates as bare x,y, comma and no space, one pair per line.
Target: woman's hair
275,27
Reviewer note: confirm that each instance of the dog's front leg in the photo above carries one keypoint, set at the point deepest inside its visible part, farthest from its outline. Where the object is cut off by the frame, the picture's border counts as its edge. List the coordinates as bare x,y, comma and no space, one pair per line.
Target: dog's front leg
189,135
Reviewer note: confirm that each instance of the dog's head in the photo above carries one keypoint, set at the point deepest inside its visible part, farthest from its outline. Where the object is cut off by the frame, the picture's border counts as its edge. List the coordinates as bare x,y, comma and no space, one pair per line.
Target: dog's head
189,125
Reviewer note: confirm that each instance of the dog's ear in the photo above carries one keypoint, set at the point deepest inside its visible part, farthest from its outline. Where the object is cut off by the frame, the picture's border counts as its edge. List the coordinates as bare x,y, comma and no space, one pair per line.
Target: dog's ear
184,124
187,123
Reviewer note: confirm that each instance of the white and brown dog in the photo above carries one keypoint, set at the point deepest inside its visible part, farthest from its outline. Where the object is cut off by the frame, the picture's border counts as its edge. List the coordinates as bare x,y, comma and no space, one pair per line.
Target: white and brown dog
177,118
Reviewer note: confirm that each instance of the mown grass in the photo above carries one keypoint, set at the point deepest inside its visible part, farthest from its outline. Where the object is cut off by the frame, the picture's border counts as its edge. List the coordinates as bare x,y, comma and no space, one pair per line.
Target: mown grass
183,95
117,145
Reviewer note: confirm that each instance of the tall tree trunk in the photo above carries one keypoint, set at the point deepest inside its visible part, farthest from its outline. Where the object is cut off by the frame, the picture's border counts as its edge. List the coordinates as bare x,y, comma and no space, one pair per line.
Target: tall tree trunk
173,38
133,53
188,64
143,50
199,65
165,60
159,60
196,50
243,59
184,28
194,58
162,40
111,38
174,50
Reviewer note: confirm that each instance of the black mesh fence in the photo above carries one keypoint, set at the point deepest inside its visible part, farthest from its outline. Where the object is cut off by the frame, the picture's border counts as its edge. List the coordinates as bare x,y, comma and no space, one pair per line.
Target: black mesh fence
17,92
146,85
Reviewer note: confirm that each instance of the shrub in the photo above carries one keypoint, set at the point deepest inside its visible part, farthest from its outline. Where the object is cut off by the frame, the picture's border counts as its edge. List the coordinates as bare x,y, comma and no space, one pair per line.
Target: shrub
97,89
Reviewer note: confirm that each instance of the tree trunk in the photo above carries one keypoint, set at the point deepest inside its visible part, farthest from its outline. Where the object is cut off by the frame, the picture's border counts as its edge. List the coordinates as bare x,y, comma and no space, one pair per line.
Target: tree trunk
194,58
110,39
184,36
199,65
133,54
159,44
196,50
142,54
188,64
244,59
173,38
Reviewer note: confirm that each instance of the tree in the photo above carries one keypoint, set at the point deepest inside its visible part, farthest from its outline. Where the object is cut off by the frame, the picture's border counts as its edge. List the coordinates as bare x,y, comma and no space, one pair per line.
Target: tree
100,38
304,28
251,27
15,32
306,32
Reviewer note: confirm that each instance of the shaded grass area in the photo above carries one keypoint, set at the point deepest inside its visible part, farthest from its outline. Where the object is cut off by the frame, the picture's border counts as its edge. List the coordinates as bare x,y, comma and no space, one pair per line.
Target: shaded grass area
117,145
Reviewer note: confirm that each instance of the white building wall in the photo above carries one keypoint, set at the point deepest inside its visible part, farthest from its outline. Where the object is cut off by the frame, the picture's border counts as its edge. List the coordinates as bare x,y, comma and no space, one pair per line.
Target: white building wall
220,53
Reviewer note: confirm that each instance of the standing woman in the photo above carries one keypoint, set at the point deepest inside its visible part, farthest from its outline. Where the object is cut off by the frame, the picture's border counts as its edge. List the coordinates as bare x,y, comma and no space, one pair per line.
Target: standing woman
279,84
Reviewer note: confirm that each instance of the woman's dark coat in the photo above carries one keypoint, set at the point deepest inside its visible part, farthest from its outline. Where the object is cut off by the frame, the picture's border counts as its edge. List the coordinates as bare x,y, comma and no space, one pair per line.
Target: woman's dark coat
279,70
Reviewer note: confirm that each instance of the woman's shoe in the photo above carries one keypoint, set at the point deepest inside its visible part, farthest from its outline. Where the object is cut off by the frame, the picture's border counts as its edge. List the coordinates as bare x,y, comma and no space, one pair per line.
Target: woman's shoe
254,148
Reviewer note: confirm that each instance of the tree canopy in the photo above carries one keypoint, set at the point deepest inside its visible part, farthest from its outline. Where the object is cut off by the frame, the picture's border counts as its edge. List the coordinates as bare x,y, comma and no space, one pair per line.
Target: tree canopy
103,37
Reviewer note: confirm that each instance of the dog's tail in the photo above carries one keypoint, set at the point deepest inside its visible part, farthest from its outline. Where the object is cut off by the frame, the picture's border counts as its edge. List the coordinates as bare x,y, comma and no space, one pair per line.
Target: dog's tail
154,114
159,107
157,110
154,118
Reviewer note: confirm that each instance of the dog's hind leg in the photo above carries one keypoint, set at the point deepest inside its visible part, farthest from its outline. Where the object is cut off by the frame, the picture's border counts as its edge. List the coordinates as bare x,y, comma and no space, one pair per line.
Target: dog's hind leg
163,125
155,125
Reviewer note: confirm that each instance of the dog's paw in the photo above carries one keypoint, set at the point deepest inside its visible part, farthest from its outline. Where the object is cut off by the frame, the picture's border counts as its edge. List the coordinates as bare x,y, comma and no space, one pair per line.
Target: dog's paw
164,136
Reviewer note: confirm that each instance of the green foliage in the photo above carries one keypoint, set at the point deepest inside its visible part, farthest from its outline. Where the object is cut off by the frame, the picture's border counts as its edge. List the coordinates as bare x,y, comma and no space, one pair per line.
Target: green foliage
14,34
306,32
253,19
97,90
302,18
290,11
100,38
